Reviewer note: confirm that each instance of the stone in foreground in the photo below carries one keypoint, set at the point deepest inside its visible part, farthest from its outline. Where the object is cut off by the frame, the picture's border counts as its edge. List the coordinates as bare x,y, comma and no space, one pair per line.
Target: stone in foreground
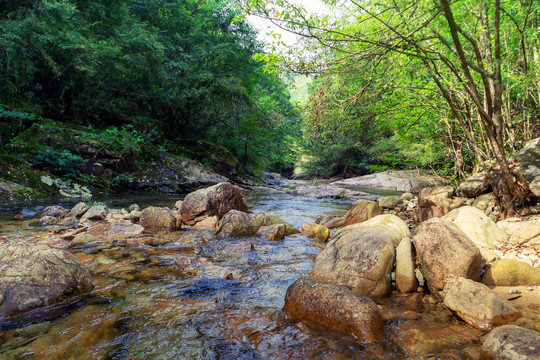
477,304
406,281
336,307
362,255
445,251
511,342
32,276
271,232
215,200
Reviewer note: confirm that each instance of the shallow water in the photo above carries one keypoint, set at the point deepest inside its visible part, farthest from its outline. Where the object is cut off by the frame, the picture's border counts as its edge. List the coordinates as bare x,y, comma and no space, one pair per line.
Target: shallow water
199,297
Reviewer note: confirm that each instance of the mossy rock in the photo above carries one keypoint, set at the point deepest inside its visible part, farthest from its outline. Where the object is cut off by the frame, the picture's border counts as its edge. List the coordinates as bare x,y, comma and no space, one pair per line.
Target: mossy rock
508,272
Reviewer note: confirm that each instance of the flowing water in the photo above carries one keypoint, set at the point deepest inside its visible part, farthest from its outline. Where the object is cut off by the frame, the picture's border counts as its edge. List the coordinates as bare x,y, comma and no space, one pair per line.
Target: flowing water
200,297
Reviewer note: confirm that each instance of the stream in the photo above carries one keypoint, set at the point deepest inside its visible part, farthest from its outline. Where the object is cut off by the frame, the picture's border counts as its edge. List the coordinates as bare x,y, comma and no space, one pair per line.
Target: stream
200,297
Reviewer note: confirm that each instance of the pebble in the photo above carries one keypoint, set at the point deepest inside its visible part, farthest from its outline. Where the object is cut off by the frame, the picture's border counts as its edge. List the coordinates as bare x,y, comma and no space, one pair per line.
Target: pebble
514,291
529,288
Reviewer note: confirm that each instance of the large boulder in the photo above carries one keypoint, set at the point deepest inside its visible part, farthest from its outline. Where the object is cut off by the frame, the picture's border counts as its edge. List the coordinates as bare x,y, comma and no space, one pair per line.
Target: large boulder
478,226
477,304
529,164
362,255
32,276
237,223
361,211
508,272
405,266
522,230
402,181
160,218
215,200
511,342
336,307
434,202
445,251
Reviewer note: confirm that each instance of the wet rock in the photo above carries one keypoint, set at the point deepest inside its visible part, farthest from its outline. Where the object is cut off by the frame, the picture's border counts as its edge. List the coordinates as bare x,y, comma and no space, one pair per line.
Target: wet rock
54,210
362,255
271,232
147,240
97,212
510,342
237,223
216,200
320,232
477,304
362,210
160,218
68,221
116,229
204,222
78,210
33,276
264,219
507,272
336,307
445,251
83,239
406,266
178,205
133,207
331,222
434,202
135,216
389,202
44,221
472,187
477,225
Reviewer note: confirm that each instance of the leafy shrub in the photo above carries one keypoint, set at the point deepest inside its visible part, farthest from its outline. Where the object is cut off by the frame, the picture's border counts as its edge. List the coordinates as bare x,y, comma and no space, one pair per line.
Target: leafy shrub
60,163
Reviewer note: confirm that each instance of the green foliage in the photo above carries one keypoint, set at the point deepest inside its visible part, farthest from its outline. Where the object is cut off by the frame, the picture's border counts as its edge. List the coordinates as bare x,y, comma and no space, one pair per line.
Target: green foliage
61,163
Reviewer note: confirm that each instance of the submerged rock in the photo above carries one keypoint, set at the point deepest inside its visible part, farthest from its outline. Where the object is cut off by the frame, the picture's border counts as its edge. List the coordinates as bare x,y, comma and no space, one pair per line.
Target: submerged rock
272,232
362,255
477,304
510,342
361,211
216,200
445,251
336,307
237,223
32,276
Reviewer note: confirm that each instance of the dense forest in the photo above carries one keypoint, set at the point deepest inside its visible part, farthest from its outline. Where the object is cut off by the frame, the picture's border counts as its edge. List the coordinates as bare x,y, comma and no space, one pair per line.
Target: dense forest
451,87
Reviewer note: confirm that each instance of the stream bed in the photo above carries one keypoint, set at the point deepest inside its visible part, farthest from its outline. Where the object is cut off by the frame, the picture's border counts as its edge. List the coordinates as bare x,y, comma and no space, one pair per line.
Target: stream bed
200,297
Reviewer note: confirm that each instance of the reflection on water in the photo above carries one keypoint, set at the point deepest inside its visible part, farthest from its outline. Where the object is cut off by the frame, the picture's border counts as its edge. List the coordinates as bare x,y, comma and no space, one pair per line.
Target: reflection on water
219,299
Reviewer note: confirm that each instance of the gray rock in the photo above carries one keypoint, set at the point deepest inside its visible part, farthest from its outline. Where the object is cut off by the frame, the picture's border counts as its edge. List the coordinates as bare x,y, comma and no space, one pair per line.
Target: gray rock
389,202
45,221
510,342
133,207
78,210
33,276
362,255
97,212
472,187
445,251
